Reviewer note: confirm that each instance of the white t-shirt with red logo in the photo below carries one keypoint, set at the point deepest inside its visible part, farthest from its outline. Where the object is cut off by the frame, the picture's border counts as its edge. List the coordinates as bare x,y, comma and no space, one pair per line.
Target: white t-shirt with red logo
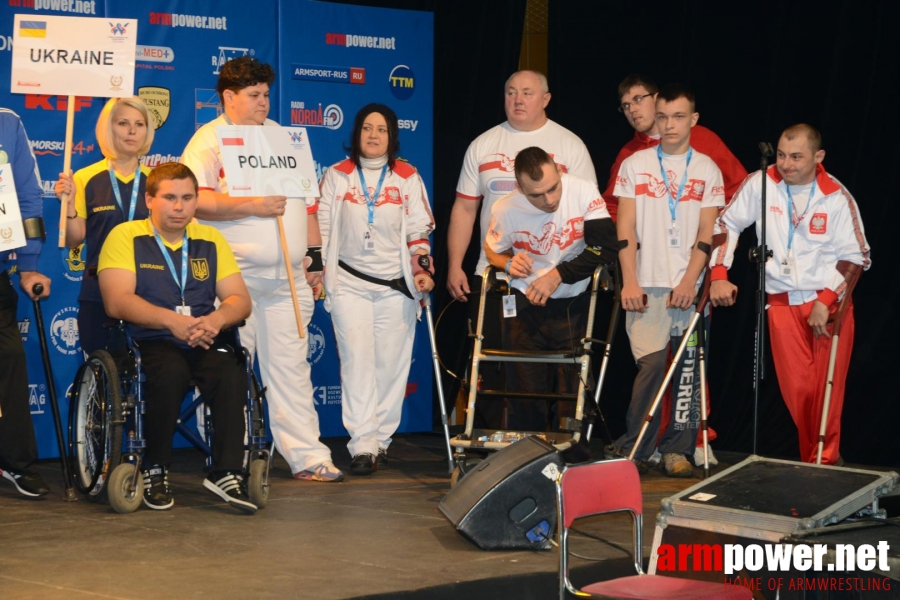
254,240
548,238
488,168
659,264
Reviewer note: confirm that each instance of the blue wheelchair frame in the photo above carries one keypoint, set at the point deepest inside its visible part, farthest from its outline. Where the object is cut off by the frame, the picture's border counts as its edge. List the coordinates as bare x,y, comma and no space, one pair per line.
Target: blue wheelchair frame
119,395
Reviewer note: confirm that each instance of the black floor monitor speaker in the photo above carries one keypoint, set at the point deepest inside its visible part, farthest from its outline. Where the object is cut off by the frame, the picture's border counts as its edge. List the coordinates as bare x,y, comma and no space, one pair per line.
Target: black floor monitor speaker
509,500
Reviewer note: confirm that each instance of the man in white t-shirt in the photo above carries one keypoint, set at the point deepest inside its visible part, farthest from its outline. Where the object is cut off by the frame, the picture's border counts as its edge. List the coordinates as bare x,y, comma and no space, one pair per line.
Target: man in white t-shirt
251,229
548,237
669,197
486,176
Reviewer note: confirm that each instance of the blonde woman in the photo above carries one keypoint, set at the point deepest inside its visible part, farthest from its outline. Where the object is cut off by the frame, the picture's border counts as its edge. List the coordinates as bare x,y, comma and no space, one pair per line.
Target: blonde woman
106,193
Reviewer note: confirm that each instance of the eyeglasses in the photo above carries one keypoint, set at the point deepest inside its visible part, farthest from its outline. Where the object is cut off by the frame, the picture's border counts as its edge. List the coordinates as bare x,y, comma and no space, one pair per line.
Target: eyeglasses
636,100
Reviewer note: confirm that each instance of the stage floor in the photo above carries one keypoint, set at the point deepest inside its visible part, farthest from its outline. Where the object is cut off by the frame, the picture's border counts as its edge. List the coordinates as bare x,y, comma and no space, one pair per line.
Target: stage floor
368,536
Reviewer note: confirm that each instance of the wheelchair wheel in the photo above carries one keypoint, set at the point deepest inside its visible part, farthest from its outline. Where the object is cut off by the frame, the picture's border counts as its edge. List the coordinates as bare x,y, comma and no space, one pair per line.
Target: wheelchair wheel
95,424
125,491
257,484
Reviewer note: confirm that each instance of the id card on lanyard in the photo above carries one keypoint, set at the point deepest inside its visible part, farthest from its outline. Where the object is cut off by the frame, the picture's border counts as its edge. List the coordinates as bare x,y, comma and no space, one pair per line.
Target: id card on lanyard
369,238
674,235
183,309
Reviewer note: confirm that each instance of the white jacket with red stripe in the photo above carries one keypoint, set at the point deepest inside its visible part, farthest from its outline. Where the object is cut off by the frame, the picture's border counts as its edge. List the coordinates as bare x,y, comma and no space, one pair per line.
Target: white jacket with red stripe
830,231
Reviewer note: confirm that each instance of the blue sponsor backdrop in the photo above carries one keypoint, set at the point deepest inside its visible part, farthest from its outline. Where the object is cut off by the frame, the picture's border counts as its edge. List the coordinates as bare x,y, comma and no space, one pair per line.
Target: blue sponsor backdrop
330,60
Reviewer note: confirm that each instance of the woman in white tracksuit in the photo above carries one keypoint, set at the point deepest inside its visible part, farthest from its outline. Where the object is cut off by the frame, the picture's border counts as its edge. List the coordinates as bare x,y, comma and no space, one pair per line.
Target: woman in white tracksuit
375,222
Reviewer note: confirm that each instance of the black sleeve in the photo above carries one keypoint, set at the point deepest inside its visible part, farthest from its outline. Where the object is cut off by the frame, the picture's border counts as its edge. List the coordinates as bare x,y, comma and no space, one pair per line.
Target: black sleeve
601,247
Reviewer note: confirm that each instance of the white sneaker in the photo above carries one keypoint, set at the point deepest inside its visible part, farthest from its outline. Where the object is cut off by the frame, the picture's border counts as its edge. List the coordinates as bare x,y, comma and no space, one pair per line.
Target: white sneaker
698,457
654,458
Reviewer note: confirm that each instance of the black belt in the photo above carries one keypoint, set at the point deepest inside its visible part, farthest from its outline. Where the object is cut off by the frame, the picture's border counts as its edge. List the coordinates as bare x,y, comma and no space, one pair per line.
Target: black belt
394,284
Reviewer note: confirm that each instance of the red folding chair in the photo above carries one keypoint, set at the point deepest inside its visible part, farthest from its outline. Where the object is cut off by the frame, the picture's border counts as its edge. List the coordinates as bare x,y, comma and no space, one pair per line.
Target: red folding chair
613,486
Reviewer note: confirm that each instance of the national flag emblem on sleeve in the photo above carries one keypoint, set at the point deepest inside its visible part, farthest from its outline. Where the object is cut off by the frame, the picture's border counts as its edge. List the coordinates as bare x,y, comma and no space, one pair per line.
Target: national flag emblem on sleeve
34,29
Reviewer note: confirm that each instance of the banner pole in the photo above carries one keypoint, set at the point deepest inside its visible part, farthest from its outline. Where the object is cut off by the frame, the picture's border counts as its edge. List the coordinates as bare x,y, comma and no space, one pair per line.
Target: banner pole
290,274
67,169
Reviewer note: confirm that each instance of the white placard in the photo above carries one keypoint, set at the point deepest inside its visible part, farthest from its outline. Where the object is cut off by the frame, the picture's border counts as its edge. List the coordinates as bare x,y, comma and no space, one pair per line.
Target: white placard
267,161
12,233
73,56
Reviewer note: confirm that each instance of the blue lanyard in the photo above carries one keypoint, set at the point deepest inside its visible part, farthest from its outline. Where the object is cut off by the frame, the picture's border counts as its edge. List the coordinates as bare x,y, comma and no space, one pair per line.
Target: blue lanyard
673,202
792,223
134,190
184,259
370,203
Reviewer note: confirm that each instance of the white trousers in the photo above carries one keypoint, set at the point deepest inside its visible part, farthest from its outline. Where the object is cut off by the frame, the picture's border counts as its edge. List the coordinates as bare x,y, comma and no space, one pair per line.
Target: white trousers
375,329
271,331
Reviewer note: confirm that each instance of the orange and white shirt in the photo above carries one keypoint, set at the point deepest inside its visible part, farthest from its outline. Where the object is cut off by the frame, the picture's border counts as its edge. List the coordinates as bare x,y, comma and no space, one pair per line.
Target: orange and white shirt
548,238
488,170
659,264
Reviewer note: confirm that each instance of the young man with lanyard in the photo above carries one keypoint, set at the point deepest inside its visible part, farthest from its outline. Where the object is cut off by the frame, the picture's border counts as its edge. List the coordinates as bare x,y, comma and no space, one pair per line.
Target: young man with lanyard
813,223
163,275
669,197
637,101
548,237
251,229
487,175
18,445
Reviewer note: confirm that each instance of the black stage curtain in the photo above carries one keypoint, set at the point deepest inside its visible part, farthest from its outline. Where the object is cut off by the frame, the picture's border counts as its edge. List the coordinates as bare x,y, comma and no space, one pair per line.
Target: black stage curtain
757,68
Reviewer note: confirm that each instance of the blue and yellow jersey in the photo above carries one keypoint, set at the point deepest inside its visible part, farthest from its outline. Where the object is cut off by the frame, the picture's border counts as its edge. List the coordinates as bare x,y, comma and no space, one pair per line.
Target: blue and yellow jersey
96,202
132,246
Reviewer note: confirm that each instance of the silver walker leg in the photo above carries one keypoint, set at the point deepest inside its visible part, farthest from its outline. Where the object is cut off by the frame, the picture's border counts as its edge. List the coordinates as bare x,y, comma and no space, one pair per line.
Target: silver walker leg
426,301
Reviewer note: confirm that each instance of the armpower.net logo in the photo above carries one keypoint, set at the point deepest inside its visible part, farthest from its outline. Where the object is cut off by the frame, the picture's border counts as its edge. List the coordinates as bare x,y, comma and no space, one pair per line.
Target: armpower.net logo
741,565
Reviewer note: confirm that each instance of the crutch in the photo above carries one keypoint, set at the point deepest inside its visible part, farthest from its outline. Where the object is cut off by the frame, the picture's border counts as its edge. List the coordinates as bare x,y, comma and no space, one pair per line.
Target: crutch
851,273
70,496
702,301
426,302
607,348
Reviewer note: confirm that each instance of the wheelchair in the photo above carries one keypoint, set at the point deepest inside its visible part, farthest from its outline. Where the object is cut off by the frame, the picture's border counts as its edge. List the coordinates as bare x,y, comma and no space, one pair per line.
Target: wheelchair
106,434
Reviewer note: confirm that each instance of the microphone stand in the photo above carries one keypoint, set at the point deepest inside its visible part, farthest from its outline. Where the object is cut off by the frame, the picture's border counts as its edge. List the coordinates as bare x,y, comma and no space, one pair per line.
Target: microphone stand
760,255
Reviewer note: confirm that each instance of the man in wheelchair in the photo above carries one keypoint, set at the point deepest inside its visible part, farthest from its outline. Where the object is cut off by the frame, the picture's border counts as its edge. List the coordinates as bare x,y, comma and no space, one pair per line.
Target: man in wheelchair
162,276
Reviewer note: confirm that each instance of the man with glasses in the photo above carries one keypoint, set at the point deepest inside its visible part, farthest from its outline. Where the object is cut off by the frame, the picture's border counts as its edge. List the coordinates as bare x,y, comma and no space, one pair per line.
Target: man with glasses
669,198
637,101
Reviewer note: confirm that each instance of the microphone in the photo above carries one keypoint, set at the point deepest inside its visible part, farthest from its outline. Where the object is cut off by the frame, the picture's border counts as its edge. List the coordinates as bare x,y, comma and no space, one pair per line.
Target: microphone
765,149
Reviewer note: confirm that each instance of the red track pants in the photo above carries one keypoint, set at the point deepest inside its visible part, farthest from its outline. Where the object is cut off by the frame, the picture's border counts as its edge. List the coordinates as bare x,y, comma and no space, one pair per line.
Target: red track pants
801,363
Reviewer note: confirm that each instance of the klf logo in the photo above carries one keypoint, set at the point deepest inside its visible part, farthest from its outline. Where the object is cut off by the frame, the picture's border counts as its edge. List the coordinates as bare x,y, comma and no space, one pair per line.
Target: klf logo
64,331
158,101
200,269
118,28
316,340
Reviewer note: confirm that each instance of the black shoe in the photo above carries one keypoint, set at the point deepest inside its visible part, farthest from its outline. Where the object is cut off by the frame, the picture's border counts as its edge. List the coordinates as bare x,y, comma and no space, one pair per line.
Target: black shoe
28,483
230,487
381,461
156,488
363,464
